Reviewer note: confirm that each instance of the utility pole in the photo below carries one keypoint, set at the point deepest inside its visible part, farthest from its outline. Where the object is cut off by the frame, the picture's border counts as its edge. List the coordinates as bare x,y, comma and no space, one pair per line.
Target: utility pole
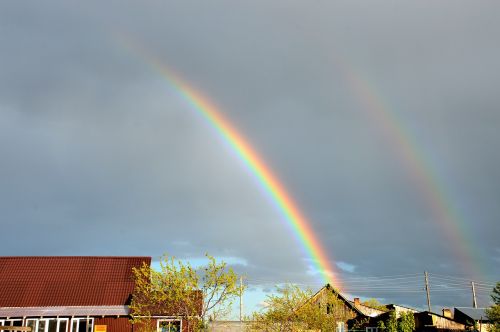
474,302
427,291
241,299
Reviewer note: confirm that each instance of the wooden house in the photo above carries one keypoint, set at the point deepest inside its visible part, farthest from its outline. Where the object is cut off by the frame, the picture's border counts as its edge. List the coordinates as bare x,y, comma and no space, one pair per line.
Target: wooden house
355,315
431,322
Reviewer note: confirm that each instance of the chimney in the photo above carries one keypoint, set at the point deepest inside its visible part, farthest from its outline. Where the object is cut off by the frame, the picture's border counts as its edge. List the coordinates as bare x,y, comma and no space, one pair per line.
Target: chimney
447,313
356,302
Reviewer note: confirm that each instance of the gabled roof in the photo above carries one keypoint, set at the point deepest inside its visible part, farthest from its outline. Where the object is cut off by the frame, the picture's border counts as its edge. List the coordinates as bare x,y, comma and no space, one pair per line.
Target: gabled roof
430,313
348,303
67,281
473,313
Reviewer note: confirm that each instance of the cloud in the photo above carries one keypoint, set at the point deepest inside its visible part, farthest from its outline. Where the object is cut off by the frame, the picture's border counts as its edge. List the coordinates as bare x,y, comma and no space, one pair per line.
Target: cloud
100,156
346,267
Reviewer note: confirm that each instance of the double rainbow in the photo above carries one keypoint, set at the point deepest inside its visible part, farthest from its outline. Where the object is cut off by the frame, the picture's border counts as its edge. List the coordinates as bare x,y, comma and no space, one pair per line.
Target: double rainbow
445,214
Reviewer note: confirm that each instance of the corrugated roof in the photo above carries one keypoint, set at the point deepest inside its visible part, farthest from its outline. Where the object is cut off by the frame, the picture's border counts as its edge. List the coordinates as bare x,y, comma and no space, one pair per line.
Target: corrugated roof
474,313
66,281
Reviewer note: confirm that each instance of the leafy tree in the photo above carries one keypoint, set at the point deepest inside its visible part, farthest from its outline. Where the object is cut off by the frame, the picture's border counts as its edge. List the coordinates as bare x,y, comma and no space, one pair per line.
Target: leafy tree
406,322
493,313
279,313
381,325
374,303
391,323
178,289
292,308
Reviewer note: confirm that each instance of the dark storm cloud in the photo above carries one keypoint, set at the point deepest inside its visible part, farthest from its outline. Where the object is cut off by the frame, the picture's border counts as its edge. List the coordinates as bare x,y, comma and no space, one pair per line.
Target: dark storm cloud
100,156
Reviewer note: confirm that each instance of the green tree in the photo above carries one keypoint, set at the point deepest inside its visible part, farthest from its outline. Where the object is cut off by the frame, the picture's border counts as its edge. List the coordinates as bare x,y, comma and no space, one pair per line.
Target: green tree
178,289
374,303
391,324
406,322
495,294
292,309
493,312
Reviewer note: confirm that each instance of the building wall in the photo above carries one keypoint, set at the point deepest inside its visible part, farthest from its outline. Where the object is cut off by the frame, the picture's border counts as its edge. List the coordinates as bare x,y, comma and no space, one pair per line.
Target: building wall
154,324
114,324
425,321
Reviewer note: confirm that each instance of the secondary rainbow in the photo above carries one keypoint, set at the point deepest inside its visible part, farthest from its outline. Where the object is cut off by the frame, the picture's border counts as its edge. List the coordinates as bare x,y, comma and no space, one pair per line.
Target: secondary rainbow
416,163
269,182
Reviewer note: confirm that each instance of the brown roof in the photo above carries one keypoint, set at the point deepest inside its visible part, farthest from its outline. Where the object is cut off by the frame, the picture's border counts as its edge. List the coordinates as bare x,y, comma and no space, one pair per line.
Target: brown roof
66,281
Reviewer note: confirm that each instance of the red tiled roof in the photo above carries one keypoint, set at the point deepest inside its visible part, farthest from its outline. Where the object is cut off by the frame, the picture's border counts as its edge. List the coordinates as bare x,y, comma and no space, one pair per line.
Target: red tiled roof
66,281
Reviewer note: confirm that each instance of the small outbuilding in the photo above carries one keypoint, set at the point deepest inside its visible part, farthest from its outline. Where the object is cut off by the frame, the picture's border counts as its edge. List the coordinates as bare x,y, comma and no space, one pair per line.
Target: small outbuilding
431,322
474,318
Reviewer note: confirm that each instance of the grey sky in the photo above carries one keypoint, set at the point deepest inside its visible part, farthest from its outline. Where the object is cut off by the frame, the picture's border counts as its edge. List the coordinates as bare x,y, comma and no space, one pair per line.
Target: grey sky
99,156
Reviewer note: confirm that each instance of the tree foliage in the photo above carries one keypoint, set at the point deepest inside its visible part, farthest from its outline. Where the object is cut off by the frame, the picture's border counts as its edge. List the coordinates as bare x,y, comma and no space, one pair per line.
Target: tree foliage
374,303
178,289
493,312
495,294
292,309
406,322
391,324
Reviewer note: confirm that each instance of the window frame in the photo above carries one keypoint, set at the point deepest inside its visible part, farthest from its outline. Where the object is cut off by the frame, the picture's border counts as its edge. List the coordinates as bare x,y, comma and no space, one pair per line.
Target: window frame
35,320
78,320
59,320
169,320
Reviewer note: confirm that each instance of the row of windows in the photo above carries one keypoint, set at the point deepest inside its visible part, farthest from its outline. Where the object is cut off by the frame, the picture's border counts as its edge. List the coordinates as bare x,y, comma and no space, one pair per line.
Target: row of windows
53,324
78,324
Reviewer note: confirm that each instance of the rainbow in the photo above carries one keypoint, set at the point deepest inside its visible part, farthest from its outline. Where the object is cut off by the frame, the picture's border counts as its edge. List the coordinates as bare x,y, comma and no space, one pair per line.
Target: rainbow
411,155
266,179
432,190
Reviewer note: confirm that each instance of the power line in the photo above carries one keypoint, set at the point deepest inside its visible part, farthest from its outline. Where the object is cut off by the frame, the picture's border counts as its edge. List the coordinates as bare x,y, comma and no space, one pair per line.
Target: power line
435,275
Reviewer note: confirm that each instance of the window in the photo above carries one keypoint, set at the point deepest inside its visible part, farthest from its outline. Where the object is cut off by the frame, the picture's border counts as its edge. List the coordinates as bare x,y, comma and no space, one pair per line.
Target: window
12,322
340,326
46,324
32,323
41,325
82,325
62,325
51,325
169,325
